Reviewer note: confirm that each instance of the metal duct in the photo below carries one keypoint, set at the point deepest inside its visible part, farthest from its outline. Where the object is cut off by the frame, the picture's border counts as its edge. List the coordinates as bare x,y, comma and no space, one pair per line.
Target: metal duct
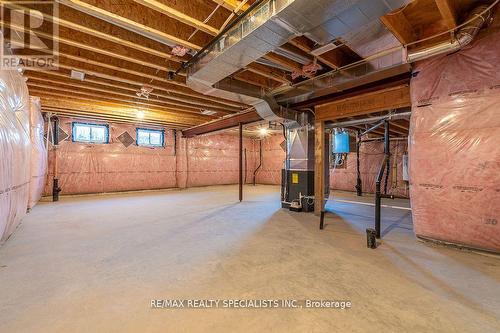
270,24
464,36
336,81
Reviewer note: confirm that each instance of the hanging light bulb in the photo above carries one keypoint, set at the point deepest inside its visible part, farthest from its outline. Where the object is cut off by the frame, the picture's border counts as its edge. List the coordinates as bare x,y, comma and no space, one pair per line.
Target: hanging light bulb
140,114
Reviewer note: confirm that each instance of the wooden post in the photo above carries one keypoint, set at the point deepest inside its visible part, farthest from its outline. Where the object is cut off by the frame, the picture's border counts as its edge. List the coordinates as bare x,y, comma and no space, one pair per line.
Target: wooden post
240,155
319,166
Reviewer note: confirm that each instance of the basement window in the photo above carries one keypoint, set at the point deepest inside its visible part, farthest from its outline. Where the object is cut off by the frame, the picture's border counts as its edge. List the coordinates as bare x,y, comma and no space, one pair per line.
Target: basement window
90,133
150,138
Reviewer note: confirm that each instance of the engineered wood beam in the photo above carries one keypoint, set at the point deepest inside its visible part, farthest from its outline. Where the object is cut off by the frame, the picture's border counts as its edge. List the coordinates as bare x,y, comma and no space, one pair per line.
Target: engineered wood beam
379,100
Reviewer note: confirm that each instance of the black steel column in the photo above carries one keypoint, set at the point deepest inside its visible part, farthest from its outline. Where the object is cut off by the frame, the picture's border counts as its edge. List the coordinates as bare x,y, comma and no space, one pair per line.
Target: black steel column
387,152
359,186
55,141
378,192
240,154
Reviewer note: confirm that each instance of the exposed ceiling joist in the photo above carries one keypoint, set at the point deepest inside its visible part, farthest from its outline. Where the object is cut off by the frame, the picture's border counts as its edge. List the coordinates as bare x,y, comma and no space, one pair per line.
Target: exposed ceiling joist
92,95
109,117
63,77
63,86
398,24
448,10
181,17
231,4
128,24
118,109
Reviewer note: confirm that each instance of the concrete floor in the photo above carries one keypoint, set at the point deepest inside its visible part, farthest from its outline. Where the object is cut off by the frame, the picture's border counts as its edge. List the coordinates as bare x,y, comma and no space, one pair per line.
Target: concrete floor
93,264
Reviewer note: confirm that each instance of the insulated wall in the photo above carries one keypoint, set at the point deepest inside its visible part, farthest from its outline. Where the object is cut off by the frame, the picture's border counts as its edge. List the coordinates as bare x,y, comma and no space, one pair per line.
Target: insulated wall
14,150
454,147
371,155
273,159
38,153
119,165
213,160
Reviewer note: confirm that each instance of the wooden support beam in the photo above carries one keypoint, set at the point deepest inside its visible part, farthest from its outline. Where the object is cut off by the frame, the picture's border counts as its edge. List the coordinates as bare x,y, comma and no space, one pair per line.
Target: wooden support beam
73,43
399,26
67,100
97,107
376,101
448,10
268,72
128,24
224,123
333,59
231,4
283,61
181,17
319,166
58,77
120,120
118,77
256,79
113,95
131,40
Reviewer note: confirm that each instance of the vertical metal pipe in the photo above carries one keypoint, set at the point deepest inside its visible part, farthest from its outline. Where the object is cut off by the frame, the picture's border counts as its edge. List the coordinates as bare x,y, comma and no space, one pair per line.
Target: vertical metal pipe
55,142
240,150
359,188
260,163
377,209
387,152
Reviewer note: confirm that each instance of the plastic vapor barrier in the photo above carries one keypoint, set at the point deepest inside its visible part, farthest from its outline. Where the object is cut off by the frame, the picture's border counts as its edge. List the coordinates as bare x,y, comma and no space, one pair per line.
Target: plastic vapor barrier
38,153
454,147
15,149
371,155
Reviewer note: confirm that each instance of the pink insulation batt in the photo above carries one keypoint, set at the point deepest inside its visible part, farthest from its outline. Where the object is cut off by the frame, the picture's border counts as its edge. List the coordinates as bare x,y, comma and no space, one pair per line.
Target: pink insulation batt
371,155
15,149
455,146
38,153
96,168
273,160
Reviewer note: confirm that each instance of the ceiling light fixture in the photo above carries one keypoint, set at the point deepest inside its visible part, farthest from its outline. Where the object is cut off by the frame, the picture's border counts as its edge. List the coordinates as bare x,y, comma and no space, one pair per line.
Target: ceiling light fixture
140,114
263,131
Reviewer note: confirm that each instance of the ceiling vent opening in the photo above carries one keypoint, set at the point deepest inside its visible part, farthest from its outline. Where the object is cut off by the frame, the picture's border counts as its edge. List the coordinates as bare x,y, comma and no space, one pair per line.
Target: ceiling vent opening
208,112
77,75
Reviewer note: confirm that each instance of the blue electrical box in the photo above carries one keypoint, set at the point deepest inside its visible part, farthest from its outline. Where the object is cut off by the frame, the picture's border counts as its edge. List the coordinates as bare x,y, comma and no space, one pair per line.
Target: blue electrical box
341,143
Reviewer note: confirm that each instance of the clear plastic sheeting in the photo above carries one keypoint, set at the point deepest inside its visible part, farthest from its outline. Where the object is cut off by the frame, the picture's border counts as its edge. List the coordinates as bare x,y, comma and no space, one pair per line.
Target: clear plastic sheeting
97,168
371,155
15,149
273,159
454,147
38,153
